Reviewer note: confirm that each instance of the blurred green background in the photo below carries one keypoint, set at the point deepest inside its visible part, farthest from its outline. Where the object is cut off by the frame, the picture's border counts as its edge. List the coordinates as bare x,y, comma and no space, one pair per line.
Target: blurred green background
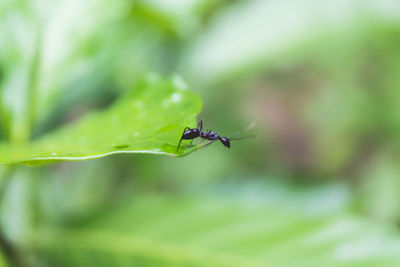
320,185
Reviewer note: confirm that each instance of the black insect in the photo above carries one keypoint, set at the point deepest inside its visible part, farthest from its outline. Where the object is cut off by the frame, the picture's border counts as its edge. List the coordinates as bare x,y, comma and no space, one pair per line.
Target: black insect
192,133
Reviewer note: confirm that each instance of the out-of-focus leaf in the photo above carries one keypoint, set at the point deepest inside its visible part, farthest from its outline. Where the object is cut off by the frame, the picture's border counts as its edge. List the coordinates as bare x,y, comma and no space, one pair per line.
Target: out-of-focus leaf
252,226
149,120
380,189
2,261
251,34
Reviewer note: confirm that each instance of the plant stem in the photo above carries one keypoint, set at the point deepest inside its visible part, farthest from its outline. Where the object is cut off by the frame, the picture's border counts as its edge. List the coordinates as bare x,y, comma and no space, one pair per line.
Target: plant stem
9,252
33,84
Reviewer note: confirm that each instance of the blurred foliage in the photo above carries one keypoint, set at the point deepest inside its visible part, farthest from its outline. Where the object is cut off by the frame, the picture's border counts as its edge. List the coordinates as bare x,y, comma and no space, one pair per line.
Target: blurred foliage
2,261
231,225
319,77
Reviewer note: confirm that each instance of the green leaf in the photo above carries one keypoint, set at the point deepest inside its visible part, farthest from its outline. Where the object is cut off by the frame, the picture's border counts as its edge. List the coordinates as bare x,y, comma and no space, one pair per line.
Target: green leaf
264,225
2,261
148,120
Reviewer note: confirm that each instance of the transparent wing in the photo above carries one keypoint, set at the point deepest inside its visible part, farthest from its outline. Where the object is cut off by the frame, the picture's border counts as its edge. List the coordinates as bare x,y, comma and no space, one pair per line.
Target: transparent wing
248,127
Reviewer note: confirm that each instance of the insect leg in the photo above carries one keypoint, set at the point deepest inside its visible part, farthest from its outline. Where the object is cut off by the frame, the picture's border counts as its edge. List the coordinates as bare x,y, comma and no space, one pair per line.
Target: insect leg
187,128
200,126
209,143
